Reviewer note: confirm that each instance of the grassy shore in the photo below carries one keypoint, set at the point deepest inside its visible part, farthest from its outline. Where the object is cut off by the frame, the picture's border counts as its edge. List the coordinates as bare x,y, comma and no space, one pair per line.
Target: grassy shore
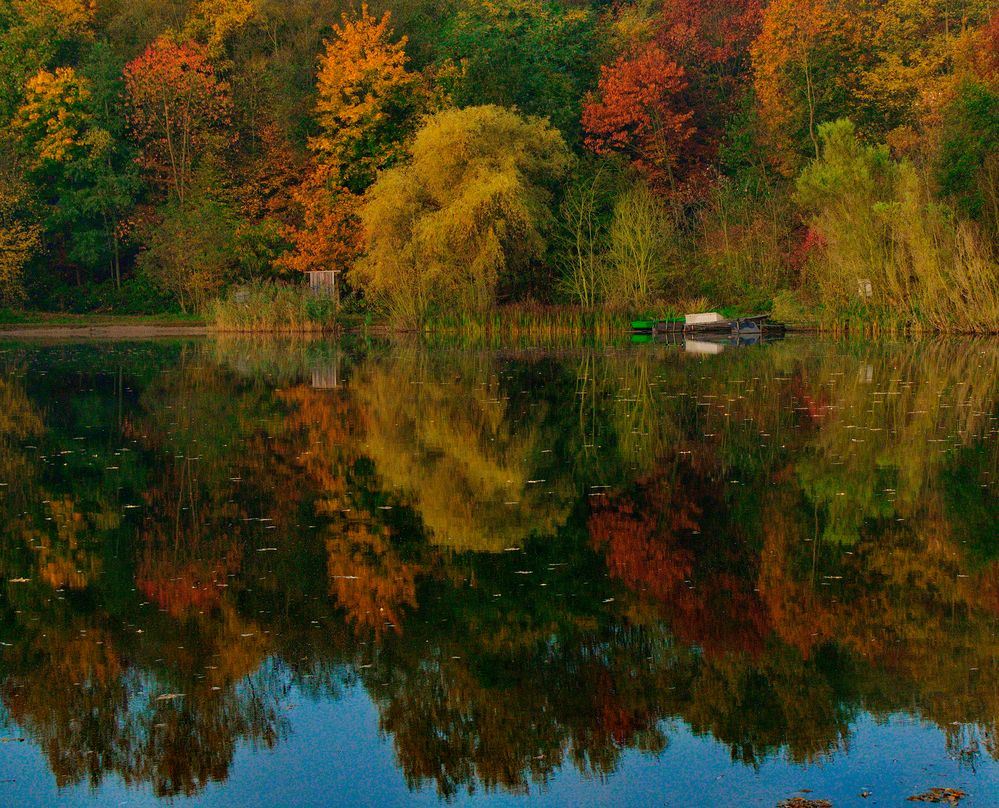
522,323
45,319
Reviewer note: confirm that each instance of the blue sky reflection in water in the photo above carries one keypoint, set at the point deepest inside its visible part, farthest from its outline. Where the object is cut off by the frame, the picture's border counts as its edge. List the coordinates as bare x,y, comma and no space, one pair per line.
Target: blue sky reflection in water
259,573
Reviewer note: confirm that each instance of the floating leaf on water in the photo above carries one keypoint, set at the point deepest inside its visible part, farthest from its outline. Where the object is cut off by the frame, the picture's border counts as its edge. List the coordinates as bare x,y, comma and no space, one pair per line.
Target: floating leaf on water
951,796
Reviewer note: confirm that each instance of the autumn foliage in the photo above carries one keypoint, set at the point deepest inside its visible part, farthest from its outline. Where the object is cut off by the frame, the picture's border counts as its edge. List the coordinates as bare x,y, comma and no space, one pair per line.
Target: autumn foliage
640,111
256,130
365,99
178,110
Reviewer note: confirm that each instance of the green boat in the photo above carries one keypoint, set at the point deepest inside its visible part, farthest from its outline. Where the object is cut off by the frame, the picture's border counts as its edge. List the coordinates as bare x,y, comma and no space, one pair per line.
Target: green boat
642,325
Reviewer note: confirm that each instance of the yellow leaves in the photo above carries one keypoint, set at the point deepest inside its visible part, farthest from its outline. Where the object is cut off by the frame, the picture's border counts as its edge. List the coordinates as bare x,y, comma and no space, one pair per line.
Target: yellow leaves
67,17
921,50
216,20
53,118
467,208
454,451
20,238
18,417
805,64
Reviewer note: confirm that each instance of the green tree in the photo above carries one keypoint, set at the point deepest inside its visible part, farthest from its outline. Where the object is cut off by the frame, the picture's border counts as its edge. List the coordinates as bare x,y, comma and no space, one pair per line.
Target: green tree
968,166
71,131
189,250
534,55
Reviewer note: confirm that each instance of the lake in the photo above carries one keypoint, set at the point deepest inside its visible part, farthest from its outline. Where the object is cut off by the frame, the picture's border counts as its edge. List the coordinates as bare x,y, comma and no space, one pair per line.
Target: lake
238,572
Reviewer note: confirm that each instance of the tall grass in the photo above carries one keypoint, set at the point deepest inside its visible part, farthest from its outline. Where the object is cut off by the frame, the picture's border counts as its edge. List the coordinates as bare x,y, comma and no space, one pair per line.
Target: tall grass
551,324
879,223
267,307
532,322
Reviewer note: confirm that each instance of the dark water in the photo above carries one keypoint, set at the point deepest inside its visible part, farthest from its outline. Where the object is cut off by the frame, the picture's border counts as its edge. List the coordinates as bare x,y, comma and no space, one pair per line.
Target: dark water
269,573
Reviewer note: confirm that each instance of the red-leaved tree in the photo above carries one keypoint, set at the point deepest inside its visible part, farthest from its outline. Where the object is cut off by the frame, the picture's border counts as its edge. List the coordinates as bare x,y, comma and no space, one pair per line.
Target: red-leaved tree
178,109
665,103
639,110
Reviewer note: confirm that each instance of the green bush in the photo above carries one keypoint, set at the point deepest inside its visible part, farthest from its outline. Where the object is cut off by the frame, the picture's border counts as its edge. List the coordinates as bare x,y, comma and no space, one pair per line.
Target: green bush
137,295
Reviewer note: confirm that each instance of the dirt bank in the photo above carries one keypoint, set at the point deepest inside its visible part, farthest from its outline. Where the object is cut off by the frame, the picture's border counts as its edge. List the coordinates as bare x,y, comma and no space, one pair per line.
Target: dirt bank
100,332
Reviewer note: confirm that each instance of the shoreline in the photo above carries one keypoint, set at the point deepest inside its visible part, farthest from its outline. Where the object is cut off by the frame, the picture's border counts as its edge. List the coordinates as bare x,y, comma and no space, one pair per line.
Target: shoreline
99,332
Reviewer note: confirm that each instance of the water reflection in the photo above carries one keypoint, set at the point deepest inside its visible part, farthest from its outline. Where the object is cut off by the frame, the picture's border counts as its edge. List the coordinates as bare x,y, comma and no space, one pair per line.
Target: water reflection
528,560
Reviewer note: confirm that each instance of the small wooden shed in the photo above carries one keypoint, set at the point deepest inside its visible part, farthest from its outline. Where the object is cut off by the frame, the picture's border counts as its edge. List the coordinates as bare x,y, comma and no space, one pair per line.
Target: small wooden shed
323,283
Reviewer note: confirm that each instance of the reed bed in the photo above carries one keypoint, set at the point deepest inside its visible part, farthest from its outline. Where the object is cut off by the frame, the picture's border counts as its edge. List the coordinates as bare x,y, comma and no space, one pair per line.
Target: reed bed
272,308
526,322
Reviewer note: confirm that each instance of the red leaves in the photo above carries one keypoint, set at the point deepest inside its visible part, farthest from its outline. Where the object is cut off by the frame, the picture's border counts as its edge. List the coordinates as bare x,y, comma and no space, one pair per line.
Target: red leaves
177,107
665,104
639,111
711,36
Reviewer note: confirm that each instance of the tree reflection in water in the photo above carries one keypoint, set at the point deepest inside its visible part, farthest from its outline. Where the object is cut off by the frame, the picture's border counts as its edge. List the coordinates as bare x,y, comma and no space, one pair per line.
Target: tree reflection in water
529,560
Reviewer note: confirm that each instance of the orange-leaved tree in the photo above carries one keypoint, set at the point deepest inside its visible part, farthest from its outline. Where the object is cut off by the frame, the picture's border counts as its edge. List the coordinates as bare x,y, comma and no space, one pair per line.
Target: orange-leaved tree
329,233
365,109
806,65
666,101
366,99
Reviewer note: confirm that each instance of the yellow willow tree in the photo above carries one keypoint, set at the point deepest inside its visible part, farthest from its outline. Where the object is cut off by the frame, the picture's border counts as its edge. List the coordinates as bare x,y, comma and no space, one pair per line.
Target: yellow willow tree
467,213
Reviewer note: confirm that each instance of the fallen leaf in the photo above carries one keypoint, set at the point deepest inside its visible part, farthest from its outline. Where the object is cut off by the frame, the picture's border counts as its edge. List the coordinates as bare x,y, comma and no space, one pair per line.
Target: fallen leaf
952,796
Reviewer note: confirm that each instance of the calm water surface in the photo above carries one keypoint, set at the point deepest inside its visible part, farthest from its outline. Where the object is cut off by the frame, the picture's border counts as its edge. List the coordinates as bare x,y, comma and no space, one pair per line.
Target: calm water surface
261,573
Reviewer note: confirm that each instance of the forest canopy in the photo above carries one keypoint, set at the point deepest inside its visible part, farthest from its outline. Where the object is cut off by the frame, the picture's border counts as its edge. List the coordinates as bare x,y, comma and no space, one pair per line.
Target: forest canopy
157,153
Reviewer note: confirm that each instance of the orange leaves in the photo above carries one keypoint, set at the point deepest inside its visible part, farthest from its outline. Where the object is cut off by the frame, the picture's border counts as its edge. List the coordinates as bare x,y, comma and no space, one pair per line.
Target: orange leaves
369,579
639,110
804,62
365,97
364,93
666,103
329,233
177,109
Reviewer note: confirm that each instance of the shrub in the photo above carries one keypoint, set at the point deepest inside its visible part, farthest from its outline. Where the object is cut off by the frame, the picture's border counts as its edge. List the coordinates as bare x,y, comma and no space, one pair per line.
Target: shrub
642,261
879,223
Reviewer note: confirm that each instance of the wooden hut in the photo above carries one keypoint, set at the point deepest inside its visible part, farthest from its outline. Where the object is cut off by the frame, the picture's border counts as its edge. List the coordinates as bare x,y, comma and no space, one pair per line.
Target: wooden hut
323,283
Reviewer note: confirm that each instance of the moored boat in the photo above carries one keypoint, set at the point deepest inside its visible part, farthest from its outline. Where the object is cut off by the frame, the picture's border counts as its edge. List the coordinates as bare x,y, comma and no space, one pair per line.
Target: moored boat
711,323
